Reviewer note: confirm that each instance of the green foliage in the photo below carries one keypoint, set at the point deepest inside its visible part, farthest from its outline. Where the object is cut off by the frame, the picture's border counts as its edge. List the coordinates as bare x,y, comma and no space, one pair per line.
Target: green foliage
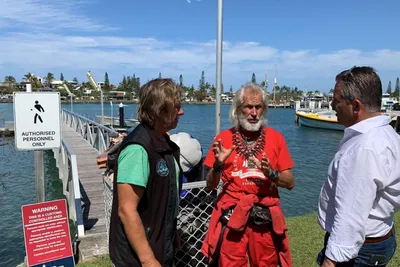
389,88
181,80
106,83
396,92
49,78
253,78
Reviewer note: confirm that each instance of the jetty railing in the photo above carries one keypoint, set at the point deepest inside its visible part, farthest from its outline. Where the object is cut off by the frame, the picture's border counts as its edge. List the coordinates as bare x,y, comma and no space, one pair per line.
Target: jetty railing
68,173
196,206
96,134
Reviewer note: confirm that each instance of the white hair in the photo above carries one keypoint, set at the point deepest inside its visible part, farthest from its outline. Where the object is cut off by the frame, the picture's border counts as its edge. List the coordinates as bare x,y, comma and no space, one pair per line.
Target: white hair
235,112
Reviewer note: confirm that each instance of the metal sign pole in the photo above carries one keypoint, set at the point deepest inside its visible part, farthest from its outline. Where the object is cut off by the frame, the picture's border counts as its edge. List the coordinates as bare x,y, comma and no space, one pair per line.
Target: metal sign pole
39,167
219,68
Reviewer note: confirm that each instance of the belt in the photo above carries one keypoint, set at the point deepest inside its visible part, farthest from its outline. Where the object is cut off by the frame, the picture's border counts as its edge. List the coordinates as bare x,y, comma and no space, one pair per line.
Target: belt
378,239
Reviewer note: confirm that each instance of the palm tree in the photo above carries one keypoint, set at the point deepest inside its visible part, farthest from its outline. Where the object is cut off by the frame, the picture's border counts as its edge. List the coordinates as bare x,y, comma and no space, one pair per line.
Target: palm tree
33,80
49,78
10,81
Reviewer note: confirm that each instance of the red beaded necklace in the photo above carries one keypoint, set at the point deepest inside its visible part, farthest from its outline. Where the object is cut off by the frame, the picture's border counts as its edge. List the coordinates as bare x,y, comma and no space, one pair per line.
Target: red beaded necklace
249,149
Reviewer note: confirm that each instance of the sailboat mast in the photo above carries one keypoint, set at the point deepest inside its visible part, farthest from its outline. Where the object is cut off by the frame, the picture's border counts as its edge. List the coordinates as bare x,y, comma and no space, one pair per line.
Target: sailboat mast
266,82
275,83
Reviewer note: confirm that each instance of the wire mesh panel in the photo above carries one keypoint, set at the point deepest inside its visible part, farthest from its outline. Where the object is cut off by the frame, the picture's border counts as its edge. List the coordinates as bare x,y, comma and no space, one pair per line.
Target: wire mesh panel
196,206
108,196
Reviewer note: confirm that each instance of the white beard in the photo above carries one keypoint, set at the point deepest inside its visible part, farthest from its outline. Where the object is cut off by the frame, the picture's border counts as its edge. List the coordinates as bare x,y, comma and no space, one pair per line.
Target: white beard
252,127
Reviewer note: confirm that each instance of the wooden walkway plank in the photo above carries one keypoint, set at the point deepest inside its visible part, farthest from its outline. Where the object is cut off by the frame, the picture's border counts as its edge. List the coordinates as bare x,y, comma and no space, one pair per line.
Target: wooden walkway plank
91,182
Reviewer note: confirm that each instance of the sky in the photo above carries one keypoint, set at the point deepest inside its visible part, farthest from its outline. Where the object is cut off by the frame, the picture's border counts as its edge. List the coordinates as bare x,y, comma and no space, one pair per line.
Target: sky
309,41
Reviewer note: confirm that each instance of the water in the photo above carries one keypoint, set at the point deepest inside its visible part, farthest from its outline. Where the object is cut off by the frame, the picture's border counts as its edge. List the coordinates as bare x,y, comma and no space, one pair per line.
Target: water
311,150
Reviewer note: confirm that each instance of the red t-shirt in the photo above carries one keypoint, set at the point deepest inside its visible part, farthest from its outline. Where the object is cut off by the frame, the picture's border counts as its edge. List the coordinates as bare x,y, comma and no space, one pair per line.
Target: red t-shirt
237,176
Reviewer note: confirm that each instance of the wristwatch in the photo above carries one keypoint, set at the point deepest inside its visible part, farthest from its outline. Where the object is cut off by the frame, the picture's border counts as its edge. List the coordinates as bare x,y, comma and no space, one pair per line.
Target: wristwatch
218,167
273,175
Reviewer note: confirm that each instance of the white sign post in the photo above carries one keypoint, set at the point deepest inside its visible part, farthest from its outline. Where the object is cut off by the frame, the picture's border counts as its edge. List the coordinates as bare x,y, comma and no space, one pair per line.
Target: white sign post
37,127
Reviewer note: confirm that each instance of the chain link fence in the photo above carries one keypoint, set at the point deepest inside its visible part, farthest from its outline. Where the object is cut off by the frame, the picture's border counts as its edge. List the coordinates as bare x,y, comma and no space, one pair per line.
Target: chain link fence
196,206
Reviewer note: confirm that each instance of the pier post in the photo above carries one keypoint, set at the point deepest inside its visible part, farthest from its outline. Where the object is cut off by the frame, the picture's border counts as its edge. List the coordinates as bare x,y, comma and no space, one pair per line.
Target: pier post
39,166
121,115
39,175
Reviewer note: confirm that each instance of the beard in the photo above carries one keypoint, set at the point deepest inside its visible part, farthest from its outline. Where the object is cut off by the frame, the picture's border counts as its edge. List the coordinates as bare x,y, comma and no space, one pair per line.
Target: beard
252,127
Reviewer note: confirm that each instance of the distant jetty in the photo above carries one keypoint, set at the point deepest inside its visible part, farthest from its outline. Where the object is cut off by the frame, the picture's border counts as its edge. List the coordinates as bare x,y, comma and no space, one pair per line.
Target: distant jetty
7,130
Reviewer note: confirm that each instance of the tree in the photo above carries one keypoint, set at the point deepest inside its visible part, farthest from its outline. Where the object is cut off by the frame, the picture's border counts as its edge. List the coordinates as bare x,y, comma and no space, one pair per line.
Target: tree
181,80
49,78
10,81
61,77
231,90
159,75
106,82
75,80
33,80
138,82
389,88
213,90
396,92
202,81
253,78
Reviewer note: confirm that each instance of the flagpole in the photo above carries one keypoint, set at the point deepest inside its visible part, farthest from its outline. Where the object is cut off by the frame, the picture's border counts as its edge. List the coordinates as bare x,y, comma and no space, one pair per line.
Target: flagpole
218,67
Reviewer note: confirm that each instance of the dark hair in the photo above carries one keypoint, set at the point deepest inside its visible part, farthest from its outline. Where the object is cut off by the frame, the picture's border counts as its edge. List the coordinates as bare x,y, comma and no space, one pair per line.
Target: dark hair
157,98
364,84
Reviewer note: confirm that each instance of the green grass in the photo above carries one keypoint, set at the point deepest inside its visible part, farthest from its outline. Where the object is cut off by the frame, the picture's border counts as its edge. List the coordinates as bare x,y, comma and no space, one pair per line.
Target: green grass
103,261
305,237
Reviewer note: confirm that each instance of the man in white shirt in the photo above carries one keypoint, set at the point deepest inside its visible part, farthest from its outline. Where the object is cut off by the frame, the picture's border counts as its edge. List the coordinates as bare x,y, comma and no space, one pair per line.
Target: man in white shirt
358,200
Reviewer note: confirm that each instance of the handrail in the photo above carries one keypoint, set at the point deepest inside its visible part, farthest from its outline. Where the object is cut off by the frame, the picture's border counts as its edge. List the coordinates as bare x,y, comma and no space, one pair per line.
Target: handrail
96,134
68,173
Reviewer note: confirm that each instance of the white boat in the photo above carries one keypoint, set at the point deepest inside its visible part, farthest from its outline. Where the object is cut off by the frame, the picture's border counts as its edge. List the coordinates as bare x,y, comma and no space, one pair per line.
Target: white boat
327,119
387,102
114,122
322,120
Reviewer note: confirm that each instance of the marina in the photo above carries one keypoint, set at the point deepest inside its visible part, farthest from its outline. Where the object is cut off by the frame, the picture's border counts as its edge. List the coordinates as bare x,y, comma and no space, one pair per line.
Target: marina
309,171
84,139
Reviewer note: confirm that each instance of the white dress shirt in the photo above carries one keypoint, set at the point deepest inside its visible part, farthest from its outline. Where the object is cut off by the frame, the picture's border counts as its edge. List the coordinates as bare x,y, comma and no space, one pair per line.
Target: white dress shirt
362,191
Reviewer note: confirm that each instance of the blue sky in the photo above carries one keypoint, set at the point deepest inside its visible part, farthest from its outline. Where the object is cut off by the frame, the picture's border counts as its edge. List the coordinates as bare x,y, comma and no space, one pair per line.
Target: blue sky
309,40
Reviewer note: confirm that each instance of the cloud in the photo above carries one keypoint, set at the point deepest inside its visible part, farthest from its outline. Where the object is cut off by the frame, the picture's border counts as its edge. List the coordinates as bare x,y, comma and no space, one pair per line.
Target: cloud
189,1
74,55
47,15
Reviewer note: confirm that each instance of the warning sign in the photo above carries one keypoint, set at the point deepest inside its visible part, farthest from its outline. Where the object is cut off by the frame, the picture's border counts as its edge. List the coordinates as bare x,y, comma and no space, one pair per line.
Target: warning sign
37,120
46,232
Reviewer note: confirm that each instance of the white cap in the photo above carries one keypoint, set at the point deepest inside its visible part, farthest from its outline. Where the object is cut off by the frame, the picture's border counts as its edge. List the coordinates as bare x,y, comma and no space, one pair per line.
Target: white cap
191,152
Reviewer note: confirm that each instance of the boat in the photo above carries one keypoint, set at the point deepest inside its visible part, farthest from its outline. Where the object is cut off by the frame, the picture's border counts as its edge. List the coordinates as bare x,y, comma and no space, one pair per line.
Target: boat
388,102
322,120
114,122
327,119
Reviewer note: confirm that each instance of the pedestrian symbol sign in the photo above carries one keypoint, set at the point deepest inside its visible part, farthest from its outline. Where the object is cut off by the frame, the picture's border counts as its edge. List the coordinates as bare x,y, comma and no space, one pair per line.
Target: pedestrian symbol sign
40,109
37,120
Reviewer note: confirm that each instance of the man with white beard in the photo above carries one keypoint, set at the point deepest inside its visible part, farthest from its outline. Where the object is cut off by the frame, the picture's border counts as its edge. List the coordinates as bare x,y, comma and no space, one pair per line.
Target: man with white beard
247,224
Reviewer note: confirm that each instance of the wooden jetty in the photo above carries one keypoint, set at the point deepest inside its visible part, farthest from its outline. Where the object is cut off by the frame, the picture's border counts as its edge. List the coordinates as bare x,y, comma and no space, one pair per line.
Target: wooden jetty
94,242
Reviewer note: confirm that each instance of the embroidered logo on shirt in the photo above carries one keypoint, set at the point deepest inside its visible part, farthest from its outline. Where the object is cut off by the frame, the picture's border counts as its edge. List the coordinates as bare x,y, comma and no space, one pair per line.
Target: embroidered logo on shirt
162,168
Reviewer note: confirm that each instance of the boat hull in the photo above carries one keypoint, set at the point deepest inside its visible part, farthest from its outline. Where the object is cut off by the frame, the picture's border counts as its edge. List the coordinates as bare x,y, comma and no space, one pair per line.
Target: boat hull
318,123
